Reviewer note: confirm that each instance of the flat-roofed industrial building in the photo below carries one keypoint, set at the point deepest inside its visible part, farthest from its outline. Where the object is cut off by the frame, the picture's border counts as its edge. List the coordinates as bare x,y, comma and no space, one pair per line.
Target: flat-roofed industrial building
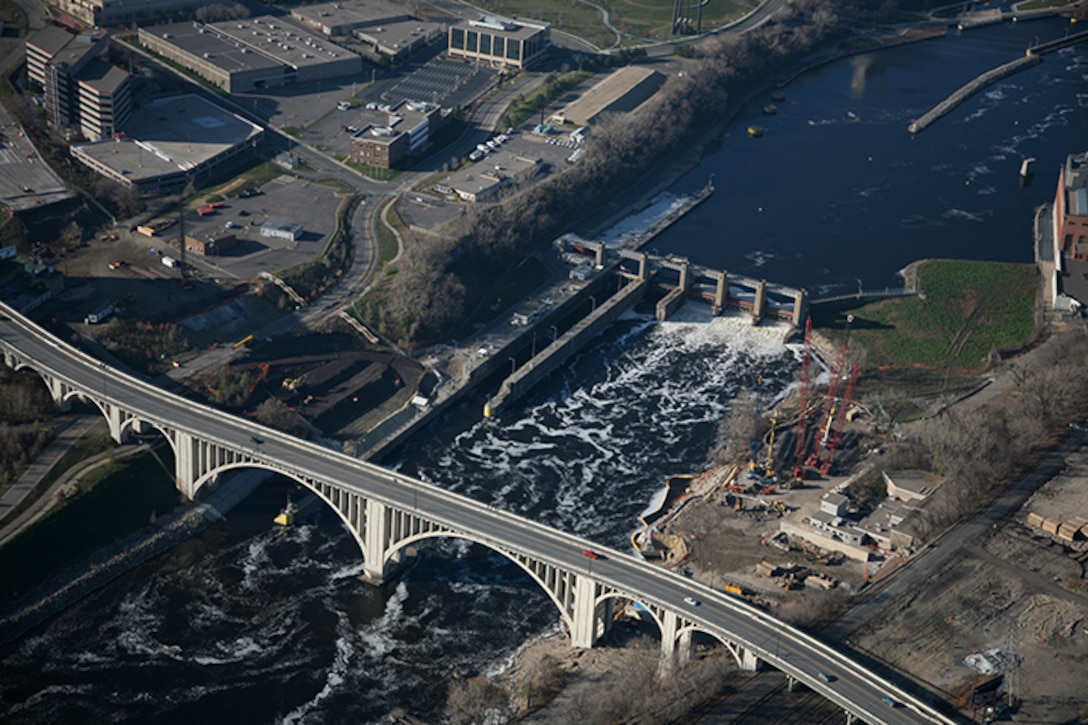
280,229
394,135
622,91
251,54
209,244
115,12
172,141
386,29
481,181
500,41
1071,207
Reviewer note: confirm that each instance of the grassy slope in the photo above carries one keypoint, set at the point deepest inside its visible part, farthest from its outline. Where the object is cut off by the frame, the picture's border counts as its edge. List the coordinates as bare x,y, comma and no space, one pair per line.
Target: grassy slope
113,502
966,311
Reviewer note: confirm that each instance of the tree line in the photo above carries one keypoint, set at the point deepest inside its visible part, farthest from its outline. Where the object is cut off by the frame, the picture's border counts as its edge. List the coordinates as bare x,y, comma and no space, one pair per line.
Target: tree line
439,279
980,450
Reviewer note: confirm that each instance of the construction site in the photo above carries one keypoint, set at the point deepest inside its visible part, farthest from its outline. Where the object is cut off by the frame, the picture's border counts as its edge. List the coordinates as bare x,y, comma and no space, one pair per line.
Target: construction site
810,518
339,392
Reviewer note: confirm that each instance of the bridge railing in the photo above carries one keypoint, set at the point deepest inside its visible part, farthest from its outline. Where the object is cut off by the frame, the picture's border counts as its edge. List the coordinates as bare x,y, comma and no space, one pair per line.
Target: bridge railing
539,532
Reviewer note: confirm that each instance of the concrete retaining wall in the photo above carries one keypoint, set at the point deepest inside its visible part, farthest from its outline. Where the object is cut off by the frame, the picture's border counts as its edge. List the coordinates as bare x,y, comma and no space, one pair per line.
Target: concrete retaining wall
968,90
571,342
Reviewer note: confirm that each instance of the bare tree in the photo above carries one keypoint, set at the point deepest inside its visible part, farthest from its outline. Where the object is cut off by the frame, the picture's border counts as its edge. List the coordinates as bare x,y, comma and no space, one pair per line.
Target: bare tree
474,701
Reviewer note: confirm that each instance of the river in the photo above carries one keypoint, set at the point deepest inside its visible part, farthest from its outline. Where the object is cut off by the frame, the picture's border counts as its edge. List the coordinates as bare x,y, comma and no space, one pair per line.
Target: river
838,191
248,623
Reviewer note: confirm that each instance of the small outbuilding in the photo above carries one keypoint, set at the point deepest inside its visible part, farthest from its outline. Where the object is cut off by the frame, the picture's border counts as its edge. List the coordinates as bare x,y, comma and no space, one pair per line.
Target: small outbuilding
208,245
834,504
280,229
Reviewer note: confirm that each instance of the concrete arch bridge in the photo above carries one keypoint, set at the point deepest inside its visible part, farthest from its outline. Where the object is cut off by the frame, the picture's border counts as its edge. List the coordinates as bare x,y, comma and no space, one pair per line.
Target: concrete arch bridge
387,513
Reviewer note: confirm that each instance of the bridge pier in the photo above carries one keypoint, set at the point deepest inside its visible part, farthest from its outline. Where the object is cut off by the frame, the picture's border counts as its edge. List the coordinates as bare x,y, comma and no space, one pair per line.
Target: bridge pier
800,308
377,519
185,470
721,292
591,619
749,660
669,625
58,391
759,304
683,648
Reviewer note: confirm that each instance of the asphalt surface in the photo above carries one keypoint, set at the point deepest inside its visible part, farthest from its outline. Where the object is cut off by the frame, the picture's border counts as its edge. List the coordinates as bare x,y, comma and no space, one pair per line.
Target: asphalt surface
25,179
786,648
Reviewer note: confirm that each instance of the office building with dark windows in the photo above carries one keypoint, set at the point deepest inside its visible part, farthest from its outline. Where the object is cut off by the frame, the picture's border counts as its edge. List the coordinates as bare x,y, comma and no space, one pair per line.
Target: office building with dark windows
500,42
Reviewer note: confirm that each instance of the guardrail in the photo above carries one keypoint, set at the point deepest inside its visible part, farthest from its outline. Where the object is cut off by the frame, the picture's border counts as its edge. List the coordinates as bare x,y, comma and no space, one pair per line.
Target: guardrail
535,532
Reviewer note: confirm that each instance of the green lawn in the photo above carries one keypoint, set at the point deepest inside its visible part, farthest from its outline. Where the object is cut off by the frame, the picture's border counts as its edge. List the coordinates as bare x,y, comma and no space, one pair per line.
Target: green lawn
113,502
635,19
12,16
966,311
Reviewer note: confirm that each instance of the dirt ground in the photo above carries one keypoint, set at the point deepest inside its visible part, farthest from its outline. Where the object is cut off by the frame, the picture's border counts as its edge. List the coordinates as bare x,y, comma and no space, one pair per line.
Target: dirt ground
1016,589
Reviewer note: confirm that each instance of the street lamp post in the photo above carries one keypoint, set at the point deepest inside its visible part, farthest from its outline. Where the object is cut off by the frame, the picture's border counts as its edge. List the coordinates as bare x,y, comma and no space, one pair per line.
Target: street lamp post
859,289
555,334
513,366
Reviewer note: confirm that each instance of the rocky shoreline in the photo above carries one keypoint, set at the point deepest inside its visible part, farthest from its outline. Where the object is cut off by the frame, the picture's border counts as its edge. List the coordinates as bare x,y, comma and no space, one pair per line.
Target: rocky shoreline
110,562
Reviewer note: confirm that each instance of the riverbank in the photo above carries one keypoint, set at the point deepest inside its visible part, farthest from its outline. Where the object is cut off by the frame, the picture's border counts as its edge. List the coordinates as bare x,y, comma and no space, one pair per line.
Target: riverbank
108,563
663,178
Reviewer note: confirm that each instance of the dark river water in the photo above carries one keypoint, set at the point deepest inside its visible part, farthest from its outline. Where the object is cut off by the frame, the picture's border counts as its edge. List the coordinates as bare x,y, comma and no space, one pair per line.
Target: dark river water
248,623
837,190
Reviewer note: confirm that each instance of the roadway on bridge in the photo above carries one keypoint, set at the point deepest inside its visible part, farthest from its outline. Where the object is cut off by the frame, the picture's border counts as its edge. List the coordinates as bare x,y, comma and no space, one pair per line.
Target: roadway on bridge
788,649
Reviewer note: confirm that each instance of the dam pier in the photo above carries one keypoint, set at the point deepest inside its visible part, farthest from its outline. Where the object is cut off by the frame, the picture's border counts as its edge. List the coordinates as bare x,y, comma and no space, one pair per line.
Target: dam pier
605,279
637,275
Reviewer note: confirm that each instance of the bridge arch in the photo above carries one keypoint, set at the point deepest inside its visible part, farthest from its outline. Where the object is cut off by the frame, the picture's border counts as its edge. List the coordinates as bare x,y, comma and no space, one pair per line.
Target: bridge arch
564,611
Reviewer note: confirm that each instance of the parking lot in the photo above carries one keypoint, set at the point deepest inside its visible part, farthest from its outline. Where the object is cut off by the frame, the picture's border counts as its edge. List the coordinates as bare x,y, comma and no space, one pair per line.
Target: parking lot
286,198
448,82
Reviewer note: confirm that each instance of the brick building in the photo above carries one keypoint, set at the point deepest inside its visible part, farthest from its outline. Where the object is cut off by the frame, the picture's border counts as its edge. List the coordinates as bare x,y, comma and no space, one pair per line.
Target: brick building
1071,207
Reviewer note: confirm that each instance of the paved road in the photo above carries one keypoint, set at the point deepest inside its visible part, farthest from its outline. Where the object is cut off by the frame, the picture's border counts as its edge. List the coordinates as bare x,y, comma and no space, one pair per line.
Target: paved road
788,649
25,179
71,430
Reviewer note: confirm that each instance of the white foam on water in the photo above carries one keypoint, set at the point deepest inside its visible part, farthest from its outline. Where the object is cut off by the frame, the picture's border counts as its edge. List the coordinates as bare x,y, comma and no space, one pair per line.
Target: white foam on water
334,677
961,214
759,258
